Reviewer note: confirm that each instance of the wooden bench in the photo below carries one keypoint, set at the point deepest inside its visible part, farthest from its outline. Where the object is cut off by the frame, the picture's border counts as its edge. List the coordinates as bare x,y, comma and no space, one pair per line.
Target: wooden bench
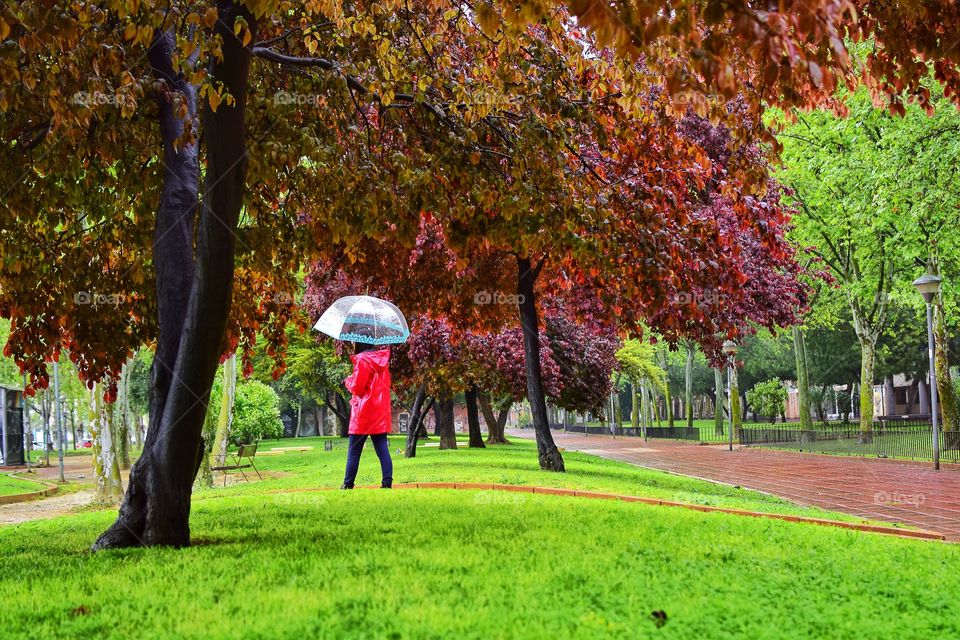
245,452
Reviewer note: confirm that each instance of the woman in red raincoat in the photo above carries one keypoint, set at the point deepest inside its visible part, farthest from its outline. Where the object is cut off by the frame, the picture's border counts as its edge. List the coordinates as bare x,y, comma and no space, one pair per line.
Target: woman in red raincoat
370,413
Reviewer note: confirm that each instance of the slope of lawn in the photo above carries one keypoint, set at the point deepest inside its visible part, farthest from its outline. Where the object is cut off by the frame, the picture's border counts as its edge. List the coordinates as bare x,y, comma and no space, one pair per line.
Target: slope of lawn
509,464
12,485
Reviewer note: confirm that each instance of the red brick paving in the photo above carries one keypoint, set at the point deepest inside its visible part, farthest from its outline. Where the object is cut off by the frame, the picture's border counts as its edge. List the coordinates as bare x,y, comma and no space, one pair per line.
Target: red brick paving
892,491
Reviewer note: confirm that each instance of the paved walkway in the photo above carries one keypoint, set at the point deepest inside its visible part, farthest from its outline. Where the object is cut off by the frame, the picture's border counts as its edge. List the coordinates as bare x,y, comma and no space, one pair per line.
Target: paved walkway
892,491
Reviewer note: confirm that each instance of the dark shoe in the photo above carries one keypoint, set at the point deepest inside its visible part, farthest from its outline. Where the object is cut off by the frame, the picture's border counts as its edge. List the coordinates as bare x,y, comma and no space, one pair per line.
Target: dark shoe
344,486
386,486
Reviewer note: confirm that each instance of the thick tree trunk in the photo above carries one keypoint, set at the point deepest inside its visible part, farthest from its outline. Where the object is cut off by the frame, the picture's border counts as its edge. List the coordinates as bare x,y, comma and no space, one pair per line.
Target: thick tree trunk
718,417
473,418
443,412
867,358
549,455
662,360
496,423
803,378
156,509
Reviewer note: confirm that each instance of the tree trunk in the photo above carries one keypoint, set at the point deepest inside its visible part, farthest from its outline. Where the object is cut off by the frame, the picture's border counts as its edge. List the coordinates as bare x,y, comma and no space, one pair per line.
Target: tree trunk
225,415
416,419
718,417
946,392
654,411
617,408
735,402
473,418
634,406
496,424
867,356
688,386
662,360
803,379
45,416
643,403
122,421
106,468
192,319
549,455
443,411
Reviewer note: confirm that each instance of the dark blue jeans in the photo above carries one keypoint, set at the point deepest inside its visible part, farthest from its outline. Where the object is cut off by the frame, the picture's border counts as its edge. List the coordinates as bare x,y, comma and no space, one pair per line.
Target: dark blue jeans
381,446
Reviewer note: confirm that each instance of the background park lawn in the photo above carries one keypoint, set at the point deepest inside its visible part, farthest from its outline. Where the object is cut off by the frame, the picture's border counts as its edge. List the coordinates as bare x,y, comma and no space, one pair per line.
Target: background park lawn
474,564
12,485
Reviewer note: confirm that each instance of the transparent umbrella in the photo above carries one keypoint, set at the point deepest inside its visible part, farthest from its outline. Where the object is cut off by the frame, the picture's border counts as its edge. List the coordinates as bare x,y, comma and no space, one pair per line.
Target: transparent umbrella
364,319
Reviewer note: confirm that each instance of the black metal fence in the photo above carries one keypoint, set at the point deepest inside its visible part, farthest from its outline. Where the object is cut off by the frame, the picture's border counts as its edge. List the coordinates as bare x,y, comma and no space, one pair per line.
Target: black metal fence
670,433
890,438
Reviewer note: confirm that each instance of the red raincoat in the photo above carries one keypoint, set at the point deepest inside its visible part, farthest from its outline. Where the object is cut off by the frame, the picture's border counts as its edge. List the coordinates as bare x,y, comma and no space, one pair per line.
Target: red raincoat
370,385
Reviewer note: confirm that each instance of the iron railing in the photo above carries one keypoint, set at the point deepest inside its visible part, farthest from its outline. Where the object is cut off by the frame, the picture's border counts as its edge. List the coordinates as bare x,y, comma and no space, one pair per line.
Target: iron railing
671,433
890,438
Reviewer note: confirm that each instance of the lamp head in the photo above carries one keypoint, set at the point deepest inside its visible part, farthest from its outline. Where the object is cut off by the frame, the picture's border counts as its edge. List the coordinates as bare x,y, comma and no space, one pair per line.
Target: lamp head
729,348
928,285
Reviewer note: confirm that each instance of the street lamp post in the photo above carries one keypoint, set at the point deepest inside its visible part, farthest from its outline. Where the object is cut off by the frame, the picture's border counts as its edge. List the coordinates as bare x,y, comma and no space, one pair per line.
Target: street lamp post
929,286
730,350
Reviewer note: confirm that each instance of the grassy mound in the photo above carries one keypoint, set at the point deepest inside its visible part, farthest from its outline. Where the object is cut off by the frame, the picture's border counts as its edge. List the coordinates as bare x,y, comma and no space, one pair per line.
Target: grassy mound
12,485
474,564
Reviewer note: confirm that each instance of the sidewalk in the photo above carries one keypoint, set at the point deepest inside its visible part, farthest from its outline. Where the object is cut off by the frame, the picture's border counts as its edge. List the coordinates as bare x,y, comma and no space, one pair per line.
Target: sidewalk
892,491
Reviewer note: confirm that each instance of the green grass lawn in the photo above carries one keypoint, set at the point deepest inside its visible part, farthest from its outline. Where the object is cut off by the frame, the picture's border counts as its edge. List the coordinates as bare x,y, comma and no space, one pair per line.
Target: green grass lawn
514,464
474,564
12,485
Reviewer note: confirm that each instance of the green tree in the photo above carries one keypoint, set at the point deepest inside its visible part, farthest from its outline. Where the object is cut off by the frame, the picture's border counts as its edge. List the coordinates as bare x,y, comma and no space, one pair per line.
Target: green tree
638,365
256,413
767,398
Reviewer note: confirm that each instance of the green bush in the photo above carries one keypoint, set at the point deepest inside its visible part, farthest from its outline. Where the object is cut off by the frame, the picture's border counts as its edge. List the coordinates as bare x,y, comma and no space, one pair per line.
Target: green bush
768,398
256,413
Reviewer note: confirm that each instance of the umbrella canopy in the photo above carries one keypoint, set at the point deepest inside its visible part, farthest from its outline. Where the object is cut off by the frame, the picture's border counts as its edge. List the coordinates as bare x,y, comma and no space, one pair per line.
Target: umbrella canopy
364,319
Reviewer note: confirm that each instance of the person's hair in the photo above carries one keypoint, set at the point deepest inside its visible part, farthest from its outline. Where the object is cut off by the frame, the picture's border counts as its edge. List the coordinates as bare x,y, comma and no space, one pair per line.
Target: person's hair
360,347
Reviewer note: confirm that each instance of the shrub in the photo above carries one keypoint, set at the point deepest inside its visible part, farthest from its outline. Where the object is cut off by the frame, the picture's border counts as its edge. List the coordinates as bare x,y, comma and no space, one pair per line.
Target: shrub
256,413
768,398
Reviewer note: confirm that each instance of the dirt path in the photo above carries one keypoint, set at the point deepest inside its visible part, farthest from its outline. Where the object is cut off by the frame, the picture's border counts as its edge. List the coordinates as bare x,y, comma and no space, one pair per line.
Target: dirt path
56,505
